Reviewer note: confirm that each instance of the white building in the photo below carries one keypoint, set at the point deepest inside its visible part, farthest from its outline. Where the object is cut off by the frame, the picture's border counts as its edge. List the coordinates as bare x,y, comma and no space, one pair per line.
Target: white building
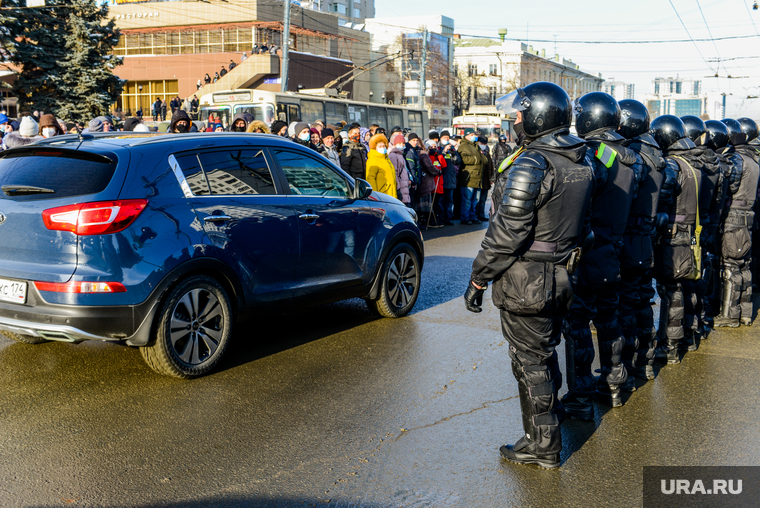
487,69
679,97
618,89
351,11
397,80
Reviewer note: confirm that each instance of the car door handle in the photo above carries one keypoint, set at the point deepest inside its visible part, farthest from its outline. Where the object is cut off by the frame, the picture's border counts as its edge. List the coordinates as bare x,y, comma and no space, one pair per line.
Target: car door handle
308,216
217,218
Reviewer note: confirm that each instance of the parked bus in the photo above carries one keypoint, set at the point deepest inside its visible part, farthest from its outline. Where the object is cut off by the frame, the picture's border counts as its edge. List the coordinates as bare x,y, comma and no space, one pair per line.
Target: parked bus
488,126
300,107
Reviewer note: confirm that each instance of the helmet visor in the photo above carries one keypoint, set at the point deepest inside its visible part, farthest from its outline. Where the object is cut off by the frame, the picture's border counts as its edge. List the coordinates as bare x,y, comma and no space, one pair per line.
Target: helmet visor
513,102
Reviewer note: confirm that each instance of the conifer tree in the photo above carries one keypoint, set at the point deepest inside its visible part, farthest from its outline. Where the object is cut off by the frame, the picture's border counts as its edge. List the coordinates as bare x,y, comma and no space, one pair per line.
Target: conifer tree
64,55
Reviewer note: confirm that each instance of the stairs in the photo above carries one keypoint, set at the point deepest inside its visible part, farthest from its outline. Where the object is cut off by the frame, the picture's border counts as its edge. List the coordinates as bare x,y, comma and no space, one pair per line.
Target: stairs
245,74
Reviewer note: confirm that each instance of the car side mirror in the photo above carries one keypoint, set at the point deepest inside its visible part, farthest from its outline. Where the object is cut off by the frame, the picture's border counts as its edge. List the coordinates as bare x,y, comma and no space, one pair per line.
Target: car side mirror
362,189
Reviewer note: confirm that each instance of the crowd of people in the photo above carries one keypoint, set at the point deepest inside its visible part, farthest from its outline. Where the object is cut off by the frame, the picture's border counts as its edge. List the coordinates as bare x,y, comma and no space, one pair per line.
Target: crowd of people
436,176
582,227
255,50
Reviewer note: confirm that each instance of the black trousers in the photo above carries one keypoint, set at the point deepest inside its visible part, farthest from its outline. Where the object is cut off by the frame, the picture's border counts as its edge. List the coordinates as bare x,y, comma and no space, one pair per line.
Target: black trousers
532,340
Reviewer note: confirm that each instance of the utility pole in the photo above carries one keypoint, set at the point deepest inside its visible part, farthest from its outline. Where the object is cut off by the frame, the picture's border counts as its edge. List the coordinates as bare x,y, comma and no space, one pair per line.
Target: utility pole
423,64
285,48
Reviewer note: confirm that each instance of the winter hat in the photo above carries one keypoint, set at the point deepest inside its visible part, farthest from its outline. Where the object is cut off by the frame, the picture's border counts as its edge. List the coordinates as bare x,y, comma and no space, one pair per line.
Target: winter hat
15,125
95,125
482,140
433,135
397,139
277,126
327,132
430,143
445,133
469,131
28,128
377,138
314,131
130,123
105,119
298,127
50,121
291,129
141,127
3,119
412,136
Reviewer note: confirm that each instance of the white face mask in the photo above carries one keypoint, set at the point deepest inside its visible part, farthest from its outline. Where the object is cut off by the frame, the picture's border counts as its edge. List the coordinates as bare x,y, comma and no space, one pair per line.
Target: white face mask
2,128
401,146
305,137
444,142
48,132
483,147
382,150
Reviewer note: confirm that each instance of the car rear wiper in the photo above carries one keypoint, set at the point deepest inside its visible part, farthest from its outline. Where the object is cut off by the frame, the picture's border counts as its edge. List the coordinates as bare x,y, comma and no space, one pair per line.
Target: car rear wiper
24,190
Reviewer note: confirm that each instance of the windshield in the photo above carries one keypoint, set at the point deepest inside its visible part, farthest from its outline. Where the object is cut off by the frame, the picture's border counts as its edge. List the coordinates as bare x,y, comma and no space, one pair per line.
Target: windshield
263,112
216,114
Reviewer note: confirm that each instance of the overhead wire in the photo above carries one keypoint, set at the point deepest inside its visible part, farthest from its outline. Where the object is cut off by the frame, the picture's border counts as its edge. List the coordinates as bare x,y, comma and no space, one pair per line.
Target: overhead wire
692,38
710,34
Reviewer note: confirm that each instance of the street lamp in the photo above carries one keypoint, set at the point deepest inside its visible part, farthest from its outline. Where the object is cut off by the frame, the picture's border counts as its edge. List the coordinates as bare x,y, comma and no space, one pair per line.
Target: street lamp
383,98
371,94
139,96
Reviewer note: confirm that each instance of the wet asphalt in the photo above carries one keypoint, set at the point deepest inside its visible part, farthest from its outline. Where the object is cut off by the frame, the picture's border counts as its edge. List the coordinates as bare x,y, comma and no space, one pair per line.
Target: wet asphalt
330,406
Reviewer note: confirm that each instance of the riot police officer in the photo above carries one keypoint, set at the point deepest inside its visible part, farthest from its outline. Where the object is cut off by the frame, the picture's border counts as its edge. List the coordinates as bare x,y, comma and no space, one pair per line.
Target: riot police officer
637,259
616,172
529,251
703,158
718,143
736,245
674,257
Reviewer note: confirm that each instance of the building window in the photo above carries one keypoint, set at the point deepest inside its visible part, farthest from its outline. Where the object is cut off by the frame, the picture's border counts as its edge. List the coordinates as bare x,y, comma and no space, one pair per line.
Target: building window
679,87
493,69
357,13
472,70
340,8
142,95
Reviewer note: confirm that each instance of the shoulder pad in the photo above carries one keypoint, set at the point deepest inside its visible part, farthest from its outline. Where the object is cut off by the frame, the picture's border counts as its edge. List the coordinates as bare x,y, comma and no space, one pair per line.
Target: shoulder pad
532,159
672,165
523,185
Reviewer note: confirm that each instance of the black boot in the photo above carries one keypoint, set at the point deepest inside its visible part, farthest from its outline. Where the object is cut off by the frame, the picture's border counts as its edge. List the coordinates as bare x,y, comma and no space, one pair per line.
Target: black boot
578,407
517,453
725,322
668,353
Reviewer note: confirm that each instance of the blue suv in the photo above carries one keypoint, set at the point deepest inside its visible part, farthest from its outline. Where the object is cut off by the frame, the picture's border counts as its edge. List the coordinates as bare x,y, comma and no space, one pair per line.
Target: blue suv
164,242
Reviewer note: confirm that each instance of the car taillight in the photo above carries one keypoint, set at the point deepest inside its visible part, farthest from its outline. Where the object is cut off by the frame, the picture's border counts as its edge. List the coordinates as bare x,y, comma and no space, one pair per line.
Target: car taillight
81,287
99,218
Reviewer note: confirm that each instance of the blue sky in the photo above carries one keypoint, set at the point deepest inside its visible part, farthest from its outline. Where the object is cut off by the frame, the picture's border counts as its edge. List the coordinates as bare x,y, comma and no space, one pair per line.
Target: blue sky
573,24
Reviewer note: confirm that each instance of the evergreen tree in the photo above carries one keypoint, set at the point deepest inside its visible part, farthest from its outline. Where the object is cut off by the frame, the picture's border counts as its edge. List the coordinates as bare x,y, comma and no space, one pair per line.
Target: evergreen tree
87,85
65,61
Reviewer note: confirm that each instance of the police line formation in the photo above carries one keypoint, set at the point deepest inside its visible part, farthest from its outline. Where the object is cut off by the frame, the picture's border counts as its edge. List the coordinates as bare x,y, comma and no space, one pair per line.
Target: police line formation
581,228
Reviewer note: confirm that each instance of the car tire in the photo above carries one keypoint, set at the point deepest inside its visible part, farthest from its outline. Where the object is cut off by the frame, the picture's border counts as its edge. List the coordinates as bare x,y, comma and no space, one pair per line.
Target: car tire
400,283
193,329
25,339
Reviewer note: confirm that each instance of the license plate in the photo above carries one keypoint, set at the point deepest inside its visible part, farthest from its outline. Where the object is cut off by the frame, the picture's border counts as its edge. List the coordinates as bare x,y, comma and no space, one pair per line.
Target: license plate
12,291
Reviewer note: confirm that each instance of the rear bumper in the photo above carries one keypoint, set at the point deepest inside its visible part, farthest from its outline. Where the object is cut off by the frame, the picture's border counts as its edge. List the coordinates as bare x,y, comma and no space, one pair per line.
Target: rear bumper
76,323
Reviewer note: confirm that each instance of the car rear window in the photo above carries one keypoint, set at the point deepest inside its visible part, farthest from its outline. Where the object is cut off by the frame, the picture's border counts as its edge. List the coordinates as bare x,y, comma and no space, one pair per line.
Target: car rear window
32,175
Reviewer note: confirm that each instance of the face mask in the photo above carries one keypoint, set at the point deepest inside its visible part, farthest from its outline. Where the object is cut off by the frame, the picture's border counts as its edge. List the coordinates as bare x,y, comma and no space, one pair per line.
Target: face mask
181,127
305,137
48,132
401,146
444,142
355,138
472,139
238,129
520,133
382,151
2,128
482,147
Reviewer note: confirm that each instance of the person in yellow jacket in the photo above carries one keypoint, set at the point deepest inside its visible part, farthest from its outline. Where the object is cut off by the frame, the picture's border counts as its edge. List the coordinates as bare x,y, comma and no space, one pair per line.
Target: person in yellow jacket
380,171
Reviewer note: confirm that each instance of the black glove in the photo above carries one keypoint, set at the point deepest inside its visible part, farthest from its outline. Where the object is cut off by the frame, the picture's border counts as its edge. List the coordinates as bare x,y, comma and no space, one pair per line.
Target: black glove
473,297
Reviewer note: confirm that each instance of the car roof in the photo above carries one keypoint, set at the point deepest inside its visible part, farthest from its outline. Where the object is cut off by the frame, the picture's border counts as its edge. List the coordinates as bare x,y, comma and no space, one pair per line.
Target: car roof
117,139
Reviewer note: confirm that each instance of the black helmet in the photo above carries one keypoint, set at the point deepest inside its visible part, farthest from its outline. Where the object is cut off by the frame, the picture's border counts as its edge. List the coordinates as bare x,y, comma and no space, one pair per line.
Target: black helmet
596,110
695,129
667,130
545,107
718,134
735,134
634,118
749,127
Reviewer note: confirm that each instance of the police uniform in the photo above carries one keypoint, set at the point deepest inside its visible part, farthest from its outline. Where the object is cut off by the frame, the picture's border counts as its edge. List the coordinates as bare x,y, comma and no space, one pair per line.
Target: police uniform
637,259
539,222
617,172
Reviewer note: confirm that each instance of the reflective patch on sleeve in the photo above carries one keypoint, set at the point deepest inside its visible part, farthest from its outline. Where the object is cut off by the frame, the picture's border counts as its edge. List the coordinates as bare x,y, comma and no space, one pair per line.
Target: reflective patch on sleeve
606,154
